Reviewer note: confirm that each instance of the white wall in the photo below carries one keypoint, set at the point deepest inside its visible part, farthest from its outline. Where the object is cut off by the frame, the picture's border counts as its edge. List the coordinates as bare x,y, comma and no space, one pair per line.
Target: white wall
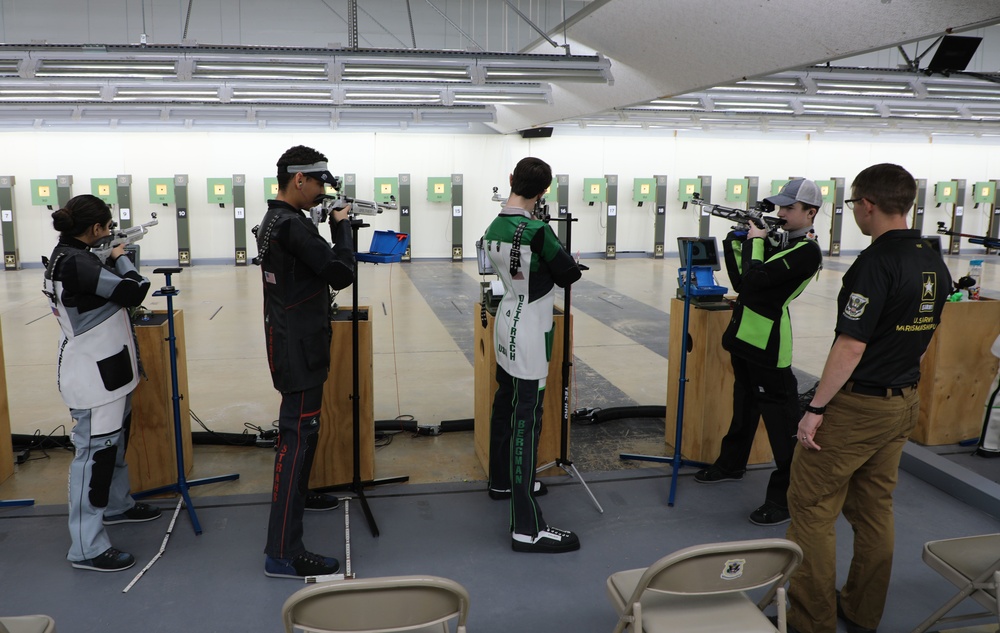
484,160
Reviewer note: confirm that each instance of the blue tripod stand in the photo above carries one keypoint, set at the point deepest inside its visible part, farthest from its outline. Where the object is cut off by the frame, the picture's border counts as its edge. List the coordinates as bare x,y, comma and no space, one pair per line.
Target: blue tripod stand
11,503
182,484
677,460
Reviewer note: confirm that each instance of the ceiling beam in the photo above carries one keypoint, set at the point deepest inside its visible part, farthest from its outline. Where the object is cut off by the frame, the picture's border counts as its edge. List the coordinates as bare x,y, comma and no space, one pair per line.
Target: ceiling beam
672,47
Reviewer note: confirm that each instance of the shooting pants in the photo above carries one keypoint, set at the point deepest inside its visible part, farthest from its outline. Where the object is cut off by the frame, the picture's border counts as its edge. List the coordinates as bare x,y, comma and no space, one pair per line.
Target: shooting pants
861,440
772,393
98,475
298,432
515,425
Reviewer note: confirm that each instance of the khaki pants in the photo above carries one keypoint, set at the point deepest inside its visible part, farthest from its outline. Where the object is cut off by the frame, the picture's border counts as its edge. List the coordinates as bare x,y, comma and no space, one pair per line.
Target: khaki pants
861,440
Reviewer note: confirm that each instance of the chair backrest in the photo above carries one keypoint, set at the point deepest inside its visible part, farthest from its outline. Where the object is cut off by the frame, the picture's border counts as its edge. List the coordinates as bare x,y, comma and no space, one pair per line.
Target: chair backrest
724,568
27,624
392,603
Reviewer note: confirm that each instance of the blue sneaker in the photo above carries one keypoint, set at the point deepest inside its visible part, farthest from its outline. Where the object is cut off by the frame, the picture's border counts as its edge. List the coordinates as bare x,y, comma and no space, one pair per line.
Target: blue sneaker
305,564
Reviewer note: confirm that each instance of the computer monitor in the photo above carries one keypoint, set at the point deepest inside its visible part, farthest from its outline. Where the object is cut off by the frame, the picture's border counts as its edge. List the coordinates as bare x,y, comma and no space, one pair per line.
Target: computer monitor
704,251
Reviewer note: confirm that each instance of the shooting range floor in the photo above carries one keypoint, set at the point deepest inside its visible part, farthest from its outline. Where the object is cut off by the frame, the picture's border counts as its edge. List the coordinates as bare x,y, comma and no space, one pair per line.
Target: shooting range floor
440,522
214,582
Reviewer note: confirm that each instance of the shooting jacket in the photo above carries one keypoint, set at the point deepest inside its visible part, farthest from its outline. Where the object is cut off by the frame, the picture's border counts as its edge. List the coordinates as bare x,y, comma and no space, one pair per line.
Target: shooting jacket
523,328
298,267
98,361
767,279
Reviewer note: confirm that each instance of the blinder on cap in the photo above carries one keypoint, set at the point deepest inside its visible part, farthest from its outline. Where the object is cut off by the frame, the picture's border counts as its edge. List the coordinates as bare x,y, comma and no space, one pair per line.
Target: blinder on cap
319,171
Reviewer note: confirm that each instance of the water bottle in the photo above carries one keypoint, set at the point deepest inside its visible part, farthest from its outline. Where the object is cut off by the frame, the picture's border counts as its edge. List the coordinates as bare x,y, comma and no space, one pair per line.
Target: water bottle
976,272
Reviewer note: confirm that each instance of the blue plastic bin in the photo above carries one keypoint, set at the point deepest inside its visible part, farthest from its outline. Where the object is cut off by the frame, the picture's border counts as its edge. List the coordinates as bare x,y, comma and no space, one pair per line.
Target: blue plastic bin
387,246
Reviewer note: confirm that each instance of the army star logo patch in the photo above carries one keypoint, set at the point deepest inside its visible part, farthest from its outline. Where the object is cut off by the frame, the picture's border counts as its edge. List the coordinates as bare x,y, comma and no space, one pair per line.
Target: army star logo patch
929,292
855,307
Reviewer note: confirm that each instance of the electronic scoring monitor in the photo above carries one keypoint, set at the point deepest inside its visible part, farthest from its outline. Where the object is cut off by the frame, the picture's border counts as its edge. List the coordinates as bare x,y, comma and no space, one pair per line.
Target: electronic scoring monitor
704,251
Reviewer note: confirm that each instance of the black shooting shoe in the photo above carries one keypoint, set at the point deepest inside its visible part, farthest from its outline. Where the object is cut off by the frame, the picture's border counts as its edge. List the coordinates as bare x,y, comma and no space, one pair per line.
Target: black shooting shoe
303,565
138,513
770,514
110,559
713,475
550,540
319,502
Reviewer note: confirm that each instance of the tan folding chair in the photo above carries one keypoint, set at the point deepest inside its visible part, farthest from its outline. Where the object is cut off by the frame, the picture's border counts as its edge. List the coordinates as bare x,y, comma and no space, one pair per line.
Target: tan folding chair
423,604
27,624
971,563
703,588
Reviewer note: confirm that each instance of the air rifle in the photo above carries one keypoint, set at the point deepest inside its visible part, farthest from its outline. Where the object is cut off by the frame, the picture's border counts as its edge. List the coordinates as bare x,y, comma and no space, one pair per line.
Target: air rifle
127,237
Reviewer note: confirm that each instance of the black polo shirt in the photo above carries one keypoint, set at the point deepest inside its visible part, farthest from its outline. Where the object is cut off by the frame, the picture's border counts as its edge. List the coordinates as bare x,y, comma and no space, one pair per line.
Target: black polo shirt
891,299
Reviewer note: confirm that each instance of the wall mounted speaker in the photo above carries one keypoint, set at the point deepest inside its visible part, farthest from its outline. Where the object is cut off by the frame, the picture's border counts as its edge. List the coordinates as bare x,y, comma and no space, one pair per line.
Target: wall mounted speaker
536,132
954,53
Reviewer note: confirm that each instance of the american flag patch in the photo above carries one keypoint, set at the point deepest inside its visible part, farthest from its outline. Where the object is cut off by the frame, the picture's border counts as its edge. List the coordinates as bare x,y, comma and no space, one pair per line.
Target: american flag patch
269,278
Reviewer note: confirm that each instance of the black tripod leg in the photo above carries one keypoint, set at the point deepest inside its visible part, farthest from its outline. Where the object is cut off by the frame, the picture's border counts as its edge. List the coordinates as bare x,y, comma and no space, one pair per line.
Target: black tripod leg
372,525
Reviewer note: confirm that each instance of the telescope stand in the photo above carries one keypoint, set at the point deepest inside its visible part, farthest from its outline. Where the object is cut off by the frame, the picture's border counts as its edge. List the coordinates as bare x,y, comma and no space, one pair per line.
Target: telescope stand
182,485
563,460
677,460
357,486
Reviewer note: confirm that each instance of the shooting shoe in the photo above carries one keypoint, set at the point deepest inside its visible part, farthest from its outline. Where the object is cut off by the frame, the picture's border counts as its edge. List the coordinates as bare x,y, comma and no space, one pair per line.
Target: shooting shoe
548,541
319,502
305,564
770,514
713,475
497,494
138,513
110,559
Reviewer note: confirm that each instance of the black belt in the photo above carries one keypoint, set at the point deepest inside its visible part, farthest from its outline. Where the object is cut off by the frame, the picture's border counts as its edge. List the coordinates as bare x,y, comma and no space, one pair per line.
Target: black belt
881,392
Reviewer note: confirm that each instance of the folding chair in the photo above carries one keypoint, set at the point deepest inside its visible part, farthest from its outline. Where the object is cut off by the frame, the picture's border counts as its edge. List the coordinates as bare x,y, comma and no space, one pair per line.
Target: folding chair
703,588
27,624
971,563
422,604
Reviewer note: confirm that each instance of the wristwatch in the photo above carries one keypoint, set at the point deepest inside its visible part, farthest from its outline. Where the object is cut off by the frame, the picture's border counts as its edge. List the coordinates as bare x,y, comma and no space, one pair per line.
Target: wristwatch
816,410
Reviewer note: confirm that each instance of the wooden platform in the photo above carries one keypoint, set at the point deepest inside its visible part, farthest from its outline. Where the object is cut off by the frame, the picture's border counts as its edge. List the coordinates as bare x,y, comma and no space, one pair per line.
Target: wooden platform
708,394
334,461
549,444
956,373
152,455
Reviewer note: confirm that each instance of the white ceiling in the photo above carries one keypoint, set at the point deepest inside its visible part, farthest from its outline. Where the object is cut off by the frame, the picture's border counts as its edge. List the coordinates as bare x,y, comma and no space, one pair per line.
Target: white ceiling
656,48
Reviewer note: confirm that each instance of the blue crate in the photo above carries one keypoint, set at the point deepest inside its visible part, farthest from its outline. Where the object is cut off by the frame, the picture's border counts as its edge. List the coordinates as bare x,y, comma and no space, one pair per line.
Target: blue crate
387,246
703,283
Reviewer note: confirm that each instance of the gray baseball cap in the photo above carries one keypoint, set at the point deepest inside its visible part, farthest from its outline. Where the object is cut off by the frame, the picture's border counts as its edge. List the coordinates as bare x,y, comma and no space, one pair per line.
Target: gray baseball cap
799,190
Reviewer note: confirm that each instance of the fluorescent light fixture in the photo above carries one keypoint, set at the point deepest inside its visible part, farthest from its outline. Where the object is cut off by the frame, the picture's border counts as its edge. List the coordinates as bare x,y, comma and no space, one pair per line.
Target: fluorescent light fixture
94,68
772,84
231,83
277,71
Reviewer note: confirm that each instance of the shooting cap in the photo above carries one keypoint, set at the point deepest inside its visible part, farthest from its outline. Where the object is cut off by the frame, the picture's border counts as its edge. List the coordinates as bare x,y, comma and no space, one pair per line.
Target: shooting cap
319,171
799,190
